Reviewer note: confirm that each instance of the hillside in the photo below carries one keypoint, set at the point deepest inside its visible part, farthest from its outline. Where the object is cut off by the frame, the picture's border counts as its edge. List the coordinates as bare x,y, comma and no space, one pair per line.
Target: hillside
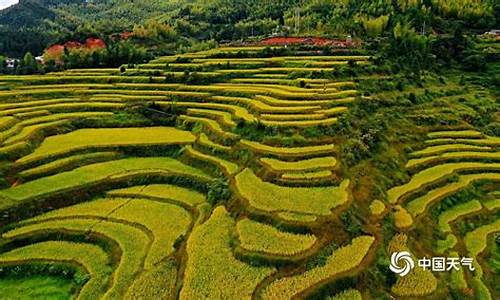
248,172
32,25
232,149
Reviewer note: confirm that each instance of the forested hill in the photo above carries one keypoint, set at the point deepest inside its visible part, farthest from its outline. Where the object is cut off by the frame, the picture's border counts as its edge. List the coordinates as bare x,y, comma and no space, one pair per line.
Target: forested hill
32,25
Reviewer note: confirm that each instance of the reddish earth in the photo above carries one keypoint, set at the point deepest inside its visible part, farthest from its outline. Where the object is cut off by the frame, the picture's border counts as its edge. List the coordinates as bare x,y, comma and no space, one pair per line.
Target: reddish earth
56,51
313,41
92,43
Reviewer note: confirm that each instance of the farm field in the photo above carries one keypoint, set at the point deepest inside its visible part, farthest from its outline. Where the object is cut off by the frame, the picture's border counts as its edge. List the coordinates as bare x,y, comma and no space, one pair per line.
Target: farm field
210,175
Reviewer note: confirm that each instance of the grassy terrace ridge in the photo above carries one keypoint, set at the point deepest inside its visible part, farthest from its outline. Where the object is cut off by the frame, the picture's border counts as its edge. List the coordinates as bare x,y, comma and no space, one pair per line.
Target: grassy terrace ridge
212,272
274,198
433,174
94,173
161,191
343,259
288,151
267,239
418,205
92,259
133,242
106,138
276,165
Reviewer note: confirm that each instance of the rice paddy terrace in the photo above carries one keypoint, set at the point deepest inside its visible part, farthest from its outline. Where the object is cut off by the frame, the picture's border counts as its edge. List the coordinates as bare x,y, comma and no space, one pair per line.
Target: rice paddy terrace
192,205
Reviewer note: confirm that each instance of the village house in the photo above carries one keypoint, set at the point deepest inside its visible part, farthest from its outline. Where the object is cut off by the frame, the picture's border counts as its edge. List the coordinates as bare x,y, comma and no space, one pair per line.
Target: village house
11,62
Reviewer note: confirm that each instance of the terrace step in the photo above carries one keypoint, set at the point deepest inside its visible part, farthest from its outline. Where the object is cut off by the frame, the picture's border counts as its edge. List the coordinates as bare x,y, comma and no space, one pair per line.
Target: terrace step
289,152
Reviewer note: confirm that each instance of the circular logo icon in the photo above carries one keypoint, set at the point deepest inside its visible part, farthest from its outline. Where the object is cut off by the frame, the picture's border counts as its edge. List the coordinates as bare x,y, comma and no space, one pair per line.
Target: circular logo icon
401,263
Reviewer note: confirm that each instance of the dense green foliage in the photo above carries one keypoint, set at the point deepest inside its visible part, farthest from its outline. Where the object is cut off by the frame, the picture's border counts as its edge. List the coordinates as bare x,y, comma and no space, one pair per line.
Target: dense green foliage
32,25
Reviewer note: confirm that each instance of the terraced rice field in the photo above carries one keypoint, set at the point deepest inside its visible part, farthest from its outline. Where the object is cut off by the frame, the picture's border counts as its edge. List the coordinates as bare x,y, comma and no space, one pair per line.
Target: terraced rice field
132,207
186,201
452,163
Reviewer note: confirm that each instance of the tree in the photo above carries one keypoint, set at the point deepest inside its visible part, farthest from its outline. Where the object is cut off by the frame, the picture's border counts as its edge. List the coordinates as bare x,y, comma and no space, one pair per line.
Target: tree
409,50
28,65
3,64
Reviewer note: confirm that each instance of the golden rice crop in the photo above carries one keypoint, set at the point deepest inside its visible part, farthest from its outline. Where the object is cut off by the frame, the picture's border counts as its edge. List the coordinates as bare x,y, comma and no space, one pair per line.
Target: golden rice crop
327,162
212,272
334,110
439,149
307,175
227,167
151,215
488,141
66,107
92,258
419,205
81,176
34,127
308,123
464,156
205,141
476,240
6,122
284,103
296,217
132,241
418,282
270,197
433,174
292,117
402,219
288,151
377,207
222,117
210,124
455,134
157,283
343,259
351,294
237,111
107,138
265,238
162,191
492,205
262,107
64,163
